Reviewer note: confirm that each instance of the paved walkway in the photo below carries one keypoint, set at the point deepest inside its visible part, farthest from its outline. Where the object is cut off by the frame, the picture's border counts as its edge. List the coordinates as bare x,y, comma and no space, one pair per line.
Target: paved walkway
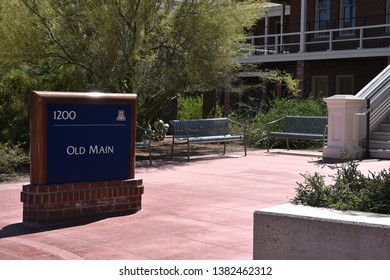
191,211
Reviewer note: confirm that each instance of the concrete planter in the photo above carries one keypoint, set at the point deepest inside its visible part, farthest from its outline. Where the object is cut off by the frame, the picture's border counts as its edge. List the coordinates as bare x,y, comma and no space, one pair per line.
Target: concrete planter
296,232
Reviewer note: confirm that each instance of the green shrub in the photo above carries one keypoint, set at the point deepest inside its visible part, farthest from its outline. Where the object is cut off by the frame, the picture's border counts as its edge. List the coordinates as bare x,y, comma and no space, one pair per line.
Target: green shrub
190,107
312,191
216,112
278,108
15,87
12,160
351,190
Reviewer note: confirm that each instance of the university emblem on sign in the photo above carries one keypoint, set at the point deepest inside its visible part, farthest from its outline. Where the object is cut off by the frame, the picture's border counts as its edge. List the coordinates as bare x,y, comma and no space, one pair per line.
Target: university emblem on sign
121,116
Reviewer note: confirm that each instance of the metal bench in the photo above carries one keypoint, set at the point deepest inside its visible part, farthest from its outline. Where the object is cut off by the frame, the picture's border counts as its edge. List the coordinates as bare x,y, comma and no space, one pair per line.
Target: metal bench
144,140
299,127
215,130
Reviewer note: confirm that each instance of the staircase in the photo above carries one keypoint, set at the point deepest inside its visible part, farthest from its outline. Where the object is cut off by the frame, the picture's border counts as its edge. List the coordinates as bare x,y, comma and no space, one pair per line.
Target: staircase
380,140
377,94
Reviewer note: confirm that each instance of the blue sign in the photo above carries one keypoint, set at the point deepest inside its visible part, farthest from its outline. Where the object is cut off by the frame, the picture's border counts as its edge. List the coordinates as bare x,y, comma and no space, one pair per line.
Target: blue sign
88,142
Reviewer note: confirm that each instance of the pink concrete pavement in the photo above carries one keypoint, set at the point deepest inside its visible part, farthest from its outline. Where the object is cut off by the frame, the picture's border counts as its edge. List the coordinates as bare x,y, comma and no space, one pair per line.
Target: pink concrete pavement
191,211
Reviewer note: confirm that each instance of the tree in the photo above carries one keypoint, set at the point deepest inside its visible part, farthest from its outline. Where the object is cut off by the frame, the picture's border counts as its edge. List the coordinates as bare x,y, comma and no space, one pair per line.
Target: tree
158,49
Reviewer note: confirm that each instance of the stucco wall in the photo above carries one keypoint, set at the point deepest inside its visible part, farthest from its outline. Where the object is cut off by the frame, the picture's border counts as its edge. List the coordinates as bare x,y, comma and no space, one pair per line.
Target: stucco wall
290,232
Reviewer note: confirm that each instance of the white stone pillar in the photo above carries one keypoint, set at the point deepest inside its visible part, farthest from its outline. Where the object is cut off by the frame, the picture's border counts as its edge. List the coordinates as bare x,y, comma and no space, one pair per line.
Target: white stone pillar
346,127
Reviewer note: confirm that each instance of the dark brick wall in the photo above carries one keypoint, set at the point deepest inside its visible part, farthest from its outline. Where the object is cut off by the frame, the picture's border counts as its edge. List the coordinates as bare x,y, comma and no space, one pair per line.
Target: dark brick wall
367,12
363,70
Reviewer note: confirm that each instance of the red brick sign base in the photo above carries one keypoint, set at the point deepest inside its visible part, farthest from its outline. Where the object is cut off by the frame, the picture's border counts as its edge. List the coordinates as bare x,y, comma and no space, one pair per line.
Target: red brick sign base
51,204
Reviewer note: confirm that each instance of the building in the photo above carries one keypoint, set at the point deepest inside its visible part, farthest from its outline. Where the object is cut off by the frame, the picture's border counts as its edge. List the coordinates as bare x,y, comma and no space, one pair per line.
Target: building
331,46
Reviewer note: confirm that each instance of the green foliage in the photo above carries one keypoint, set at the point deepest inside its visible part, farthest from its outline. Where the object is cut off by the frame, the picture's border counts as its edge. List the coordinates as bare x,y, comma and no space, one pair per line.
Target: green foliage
190,107
278,108
16,84
312,191
283,78
12,159
351,190
257,112
154,48
14,117
216,112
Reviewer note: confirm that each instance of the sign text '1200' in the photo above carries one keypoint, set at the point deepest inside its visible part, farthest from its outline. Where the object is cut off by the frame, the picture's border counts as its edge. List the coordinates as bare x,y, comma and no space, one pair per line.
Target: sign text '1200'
64,115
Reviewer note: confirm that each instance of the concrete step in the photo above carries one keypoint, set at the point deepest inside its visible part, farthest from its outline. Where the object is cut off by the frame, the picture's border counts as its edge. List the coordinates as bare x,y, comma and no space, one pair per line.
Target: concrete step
384,127
387,120
380,153
380,141
380,135
379,144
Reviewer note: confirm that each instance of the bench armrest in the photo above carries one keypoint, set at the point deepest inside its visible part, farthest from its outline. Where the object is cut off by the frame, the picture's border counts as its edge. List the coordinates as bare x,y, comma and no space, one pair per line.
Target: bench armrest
237,123
272,122
178,129
146,131
325,136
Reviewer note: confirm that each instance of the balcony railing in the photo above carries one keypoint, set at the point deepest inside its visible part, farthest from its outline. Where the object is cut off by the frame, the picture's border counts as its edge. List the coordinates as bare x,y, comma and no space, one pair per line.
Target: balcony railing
362,37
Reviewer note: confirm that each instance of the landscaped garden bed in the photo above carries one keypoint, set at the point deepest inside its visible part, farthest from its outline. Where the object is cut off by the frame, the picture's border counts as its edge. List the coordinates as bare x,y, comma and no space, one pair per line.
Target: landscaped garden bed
348,219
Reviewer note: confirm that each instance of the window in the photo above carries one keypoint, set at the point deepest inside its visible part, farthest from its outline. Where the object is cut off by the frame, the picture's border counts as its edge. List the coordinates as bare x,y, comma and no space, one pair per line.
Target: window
322,16
344,84
319,86
348,15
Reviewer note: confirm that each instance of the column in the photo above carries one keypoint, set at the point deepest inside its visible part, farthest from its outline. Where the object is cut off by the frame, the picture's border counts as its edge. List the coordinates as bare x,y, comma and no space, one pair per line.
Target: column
303,26
282,26
266,27
300,73
346,127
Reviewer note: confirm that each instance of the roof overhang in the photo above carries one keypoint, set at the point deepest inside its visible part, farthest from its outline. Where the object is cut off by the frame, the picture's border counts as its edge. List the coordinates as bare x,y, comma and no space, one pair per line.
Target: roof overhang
275,9
254,74
342,54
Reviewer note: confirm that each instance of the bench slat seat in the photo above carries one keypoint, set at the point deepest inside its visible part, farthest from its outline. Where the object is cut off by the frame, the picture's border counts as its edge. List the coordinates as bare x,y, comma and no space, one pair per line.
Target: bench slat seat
296,135
299,127
142,145
214,130
218,138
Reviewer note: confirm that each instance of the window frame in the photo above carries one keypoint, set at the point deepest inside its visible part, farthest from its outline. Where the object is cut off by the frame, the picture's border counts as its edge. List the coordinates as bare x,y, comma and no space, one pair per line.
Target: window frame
339,84
318,18
314,85
351,7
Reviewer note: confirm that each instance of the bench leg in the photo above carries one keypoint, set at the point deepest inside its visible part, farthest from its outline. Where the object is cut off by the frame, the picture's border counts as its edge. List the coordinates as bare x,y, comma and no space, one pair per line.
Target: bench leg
224,148
150,153
173,140
188,150
267,144
288,147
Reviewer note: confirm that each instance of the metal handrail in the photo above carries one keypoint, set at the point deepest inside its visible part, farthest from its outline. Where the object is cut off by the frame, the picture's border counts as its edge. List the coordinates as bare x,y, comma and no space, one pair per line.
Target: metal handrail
377,95
368,120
